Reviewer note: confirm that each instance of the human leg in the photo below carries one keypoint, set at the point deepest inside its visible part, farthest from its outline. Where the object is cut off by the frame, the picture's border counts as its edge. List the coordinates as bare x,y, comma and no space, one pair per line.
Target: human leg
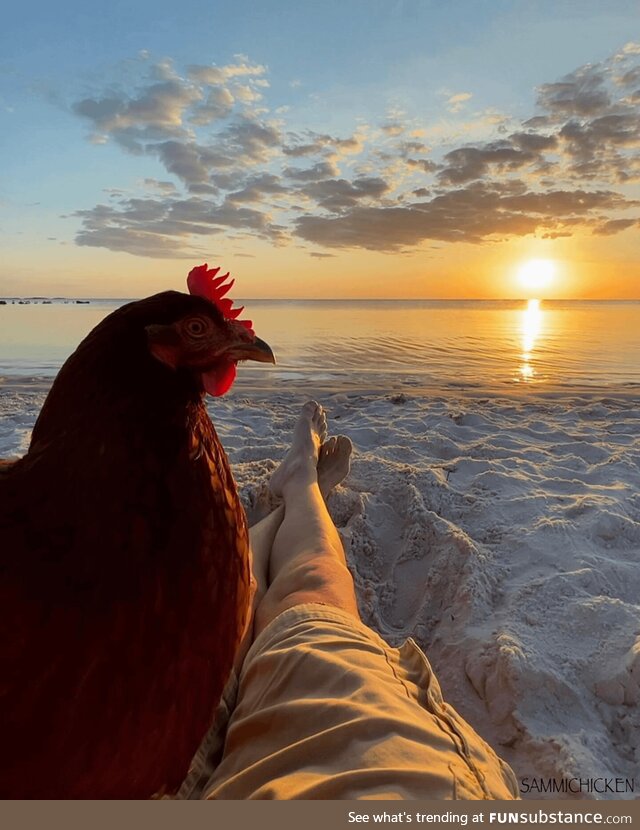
261,536
332,467
307,562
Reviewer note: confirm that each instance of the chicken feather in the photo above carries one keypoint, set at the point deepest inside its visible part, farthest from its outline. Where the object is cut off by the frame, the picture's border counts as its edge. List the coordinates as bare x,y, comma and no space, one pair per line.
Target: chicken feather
124,553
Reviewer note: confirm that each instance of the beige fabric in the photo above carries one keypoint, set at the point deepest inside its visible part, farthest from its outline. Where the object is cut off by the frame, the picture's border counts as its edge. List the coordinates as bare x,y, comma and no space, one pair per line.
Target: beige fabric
327,710
210,750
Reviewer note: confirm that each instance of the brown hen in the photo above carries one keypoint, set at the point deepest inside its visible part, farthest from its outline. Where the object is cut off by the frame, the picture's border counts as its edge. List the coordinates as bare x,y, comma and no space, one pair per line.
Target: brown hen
124,553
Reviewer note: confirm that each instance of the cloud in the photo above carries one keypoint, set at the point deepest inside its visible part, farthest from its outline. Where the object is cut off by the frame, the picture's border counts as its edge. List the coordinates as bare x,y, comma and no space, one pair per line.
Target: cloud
163,187
321,170
238,168
311,143
154,113
136,225
582,93
134,242
254,190
472,214
310,148
533,142
456,102
407,148
203,189
244,142
597,149
394,128
612,226
337,195
468,163
595,118
219,75
218,105
251,141
630,78
426,165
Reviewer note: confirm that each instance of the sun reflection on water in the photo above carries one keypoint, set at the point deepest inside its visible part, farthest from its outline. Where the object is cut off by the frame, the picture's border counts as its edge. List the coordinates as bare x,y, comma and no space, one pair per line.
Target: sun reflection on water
531,326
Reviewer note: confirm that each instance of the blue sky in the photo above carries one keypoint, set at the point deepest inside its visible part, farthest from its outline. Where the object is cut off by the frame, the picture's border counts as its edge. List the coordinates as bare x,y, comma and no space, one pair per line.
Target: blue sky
404,82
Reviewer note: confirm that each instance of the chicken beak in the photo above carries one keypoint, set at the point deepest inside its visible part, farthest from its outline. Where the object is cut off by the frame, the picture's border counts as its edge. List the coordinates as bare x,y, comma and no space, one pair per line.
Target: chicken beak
257,350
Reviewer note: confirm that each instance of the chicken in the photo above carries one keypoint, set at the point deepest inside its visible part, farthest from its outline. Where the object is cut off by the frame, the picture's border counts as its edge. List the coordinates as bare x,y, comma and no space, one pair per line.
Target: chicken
125,581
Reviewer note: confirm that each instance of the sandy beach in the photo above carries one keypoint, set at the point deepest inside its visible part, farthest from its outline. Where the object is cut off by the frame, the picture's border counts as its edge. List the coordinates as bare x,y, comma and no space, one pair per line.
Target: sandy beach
501,532
503,535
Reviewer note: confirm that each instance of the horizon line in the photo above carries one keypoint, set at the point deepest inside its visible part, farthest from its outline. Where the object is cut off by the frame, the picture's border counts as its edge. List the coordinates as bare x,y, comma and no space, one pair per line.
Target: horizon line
344,299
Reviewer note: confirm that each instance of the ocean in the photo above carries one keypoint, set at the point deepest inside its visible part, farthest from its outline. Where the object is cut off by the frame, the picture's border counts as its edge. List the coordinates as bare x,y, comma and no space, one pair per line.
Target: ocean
381,344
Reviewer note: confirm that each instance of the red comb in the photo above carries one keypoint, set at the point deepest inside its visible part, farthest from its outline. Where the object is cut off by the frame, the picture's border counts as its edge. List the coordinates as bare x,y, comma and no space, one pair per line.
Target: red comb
203,282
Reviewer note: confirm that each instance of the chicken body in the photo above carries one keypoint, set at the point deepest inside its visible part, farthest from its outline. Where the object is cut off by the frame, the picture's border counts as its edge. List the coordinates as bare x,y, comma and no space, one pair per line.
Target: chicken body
125,578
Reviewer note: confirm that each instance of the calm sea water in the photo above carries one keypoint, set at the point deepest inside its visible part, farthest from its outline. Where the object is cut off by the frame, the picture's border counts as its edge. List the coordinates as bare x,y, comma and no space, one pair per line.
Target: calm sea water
377,344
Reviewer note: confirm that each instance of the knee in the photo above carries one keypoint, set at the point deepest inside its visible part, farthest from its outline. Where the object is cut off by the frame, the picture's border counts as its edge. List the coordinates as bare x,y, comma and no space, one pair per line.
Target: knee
311,578
313,572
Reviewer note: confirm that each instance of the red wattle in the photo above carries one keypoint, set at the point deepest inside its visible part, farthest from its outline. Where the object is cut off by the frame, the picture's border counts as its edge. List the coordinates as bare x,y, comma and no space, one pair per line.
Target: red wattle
219,380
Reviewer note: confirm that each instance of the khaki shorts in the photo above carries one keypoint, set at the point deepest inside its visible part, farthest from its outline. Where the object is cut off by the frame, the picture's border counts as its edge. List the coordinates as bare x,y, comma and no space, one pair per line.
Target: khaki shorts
325,709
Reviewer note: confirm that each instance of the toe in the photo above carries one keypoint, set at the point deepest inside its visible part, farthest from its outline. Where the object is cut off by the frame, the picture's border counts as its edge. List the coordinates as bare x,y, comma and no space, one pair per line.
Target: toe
310,409
329,446
322,423
344,445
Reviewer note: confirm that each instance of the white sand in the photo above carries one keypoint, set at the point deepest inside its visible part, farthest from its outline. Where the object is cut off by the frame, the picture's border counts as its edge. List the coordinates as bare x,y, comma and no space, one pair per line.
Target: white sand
503,534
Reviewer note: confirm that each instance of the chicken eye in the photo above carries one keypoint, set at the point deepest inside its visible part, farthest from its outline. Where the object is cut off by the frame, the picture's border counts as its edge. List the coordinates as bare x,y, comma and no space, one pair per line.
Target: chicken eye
196,327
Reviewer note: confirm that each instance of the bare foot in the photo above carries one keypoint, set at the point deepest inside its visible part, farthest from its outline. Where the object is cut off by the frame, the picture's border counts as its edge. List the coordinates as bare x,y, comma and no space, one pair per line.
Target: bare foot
334,463
299,466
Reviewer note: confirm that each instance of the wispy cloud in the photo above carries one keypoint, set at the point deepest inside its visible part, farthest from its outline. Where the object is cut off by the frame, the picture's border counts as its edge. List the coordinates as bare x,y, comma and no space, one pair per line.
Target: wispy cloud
239,168
456,102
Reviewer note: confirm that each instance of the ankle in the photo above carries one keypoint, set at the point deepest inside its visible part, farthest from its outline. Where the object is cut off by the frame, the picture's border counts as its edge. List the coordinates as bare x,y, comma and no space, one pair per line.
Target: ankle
302,476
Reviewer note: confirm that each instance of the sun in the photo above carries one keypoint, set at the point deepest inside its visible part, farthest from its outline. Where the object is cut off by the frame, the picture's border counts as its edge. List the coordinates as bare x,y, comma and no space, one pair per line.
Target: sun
537,274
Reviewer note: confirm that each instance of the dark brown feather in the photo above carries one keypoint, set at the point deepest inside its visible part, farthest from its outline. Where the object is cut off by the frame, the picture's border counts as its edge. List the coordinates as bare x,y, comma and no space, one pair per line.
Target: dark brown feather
125,574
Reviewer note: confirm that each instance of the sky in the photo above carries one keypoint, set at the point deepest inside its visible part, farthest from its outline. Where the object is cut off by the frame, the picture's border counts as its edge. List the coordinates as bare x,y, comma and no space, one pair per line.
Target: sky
361,148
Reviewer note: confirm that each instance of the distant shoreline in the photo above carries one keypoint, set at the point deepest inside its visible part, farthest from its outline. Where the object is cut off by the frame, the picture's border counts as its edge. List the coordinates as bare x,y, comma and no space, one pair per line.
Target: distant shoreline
352,301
